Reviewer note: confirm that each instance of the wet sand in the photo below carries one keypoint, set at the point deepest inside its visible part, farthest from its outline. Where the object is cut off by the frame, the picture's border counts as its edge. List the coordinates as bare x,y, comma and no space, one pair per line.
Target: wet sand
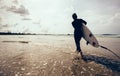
47,55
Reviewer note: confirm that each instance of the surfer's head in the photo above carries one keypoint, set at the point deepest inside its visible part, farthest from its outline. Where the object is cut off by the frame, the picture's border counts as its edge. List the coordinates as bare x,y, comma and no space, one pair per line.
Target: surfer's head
74,16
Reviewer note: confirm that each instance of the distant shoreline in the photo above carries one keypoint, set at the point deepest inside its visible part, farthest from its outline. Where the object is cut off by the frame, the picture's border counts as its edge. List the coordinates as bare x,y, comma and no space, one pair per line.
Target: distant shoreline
98,35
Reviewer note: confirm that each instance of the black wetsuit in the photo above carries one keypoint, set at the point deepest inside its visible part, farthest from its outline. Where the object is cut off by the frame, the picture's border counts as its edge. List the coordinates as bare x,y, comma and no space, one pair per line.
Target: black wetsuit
78,33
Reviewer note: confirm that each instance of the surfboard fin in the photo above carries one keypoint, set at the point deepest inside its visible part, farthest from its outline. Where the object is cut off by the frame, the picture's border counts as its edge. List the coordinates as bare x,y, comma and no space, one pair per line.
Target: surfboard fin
87,42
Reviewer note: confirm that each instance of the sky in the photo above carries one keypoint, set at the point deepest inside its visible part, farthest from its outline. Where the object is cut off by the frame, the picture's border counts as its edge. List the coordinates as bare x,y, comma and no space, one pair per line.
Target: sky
55,16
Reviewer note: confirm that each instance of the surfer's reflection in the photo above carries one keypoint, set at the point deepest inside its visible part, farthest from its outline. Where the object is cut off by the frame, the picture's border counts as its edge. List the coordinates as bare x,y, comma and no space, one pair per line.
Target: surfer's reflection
78,33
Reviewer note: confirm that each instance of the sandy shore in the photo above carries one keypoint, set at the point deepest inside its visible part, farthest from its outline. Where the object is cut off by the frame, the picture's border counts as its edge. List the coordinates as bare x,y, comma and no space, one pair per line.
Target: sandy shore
43,55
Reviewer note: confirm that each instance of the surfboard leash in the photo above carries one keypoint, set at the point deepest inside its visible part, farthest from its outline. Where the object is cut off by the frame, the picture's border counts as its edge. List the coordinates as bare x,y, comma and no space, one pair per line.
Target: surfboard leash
109,50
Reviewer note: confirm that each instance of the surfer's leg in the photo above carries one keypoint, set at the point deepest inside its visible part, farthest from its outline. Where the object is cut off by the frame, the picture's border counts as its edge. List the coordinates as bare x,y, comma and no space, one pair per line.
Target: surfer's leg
81,54
80,48
77,42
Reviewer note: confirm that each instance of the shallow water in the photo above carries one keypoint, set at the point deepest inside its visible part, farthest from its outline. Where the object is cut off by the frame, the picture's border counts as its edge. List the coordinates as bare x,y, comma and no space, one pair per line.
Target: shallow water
50,55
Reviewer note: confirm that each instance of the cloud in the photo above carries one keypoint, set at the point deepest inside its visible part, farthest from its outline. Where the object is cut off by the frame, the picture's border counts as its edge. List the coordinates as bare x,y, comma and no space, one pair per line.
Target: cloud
6,25
45,16
13,6
21,10
26,18
15,1
114,23
0,22
108,24
102,16
0,19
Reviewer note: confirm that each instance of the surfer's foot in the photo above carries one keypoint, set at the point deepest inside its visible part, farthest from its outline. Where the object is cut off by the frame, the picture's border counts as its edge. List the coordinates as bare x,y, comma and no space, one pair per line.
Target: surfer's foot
77,52
81,54
76,55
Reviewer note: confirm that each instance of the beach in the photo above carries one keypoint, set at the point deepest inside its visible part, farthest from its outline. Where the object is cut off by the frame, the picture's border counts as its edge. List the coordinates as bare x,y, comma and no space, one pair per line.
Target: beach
53,55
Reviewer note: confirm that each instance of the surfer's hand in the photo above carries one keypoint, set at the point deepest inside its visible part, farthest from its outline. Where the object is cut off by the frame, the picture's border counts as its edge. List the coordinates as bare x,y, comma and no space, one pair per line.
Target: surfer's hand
87,43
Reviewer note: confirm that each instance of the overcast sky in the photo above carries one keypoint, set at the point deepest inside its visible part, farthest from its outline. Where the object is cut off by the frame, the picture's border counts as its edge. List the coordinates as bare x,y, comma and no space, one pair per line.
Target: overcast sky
55,16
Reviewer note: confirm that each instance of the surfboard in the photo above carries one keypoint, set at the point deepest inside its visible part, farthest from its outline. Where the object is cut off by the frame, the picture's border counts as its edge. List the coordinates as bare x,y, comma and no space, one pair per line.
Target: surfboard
89,37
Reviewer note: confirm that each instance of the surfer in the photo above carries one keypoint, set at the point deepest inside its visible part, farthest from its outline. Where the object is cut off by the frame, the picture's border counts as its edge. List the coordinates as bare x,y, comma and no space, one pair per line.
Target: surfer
78,33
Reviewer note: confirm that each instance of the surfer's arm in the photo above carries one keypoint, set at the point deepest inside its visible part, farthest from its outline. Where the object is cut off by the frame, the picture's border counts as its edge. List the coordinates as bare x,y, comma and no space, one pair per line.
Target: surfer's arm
83,21
73,24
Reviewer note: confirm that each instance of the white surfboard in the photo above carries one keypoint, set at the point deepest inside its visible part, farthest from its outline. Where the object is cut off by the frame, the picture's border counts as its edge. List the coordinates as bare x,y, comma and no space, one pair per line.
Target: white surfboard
89,37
